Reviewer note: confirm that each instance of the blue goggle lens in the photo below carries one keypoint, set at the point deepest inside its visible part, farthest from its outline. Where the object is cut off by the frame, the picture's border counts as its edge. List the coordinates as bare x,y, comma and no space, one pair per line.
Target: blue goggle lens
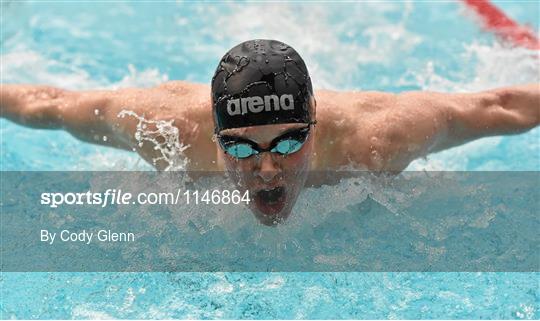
287,146
240,150
290,143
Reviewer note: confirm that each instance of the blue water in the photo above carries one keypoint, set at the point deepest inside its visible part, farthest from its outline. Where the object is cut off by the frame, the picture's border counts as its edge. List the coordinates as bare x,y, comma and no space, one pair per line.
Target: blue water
371,46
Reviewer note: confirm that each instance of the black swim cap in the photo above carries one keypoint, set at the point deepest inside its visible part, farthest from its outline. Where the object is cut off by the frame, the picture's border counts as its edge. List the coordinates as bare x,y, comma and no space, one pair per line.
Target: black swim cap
260,82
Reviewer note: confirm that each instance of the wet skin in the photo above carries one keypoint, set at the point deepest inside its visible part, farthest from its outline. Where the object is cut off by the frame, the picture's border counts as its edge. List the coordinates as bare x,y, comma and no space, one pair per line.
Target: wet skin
274,181
365,130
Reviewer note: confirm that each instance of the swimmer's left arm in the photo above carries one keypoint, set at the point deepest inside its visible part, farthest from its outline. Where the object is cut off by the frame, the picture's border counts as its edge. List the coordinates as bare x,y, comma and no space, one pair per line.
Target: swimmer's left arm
392,130
502,111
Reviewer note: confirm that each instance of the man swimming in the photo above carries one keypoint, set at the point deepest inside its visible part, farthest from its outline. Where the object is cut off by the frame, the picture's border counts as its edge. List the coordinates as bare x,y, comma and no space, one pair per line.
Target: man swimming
269,126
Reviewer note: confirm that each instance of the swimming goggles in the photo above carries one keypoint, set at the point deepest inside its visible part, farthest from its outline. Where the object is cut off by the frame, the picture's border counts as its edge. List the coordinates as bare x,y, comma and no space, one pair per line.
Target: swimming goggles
286,144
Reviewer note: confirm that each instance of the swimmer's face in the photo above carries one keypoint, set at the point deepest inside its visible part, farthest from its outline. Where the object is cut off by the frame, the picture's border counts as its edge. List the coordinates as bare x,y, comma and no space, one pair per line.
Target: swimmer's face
273,180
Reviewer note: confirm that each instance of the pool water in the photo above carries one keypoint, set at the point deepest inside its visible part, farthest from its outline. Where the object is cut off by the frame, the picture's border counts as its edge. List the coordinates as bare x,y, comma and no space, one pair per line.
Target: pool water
366,46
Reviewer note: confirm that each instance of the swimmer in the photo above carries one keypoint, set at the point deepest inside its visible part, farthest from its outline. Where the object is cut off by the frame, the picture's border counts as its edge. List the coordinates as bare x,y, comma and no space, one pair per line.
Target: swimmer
261,121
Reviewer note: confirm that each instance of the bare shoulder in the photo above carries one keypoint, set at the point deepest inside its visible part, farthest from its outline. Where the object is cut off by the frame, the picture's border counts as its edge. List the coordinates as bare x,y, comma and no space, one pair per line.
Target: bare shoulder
186,104
168,100
186,98
186,88
346,126
353,106
352,98
380,131
189,104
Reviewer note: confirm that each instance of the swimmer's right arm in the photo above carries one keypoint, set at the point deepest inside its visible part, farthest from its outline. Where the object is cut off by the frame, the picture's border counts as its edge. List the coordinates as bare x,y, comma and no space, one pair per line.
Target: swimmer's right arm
92,116
87,115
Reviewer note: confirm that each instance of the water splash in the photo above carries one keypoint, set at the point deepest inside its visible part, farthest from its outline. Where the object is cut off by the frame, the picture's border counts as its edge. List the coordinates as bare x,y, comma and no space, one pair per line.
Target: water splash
164,137
495,65
137,78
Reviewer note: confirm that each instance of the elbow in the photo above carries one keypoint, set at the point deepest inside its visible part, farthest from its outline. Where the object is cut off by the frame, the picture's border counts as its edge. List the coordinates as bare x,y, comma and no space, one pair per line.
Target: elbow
520,107
503,111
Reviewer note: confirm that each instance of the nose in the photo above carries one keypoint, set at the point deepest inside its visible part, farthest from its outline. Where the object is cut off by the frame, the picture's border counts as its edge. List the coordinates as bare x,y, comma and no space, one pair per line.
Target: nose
268,168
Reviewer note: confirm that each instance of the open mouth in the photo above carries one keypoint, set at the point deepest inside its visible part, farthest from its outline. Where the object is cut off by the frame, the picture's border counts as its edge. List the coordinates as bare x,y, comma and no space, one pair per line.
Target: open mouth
270,201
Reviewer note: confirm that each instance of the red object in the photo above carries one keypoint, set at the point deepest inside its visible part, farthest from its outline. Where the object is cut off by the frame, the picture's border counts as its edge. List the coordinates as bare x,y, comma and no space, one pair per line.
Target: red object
497,21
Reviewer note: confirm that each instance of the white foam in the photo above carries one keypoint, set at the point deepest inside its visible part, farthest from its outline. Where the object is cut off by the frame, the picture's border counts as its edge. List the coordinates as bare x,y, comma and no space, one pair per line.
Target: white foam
28,66
146,78
333,53
163,137
85,311
494,65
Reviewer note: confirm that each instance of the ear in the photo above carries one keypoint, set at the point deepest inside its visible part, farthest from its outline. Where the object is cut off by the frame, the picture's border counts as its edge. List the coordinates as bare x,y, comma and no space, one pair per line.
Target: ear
220,155
313,107
213,114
